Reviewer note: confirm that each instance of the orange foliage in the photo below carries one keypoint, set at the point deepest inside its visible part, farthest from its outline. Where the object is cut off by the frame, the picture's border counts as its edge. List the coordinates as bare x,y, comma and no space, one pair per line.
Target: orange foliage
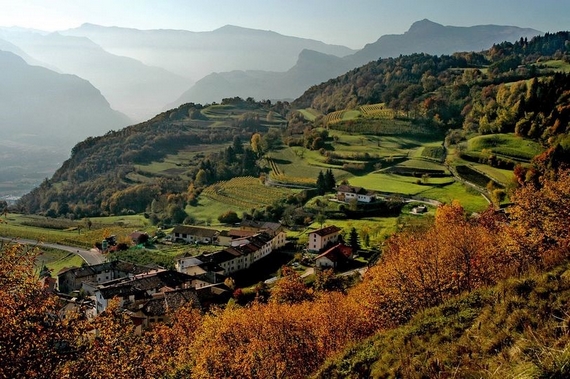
297,330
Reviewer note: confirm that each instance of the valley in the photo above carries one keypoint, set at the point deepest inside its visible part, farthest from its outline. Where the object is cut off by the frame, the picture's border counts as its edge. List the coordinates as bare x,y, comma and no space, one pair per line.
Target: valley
405,214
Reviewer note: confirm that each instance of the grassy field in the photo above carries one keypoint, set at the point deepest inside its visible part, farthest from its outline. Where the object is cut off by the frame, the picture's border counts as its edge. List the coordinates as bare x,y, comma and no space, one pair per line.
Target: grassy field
72,233
207,210
310,114
558,65
56,260
470,199
397,184
507,145
500,176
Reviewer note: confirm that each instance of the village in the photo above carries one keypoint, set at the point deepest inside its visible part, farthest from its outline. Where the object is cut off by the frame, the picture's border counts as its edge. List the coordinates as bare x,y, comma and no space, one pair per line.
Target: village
149,293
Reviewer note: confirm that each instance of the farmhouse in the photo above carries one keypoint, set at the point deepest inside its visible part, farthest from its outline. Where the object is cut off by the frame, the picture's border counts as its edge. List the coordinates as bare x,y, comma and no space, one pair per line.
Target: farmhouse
319,239
241,254
140,288
271,228
189,265
160,306
193,234
347,193
227,236
73,279
419,209
334,257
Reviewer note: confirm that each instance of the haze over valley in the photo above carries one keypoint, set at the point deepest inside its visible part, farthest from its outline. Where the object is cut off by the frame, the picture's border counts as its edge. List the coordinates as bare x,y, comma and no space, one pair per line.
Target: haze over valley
130,75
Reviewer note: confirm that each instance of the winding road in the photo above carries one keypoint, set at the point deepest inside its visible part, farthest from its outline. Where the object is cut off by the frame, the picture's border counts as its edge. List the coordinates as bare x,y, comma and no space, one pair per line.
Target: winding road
92,257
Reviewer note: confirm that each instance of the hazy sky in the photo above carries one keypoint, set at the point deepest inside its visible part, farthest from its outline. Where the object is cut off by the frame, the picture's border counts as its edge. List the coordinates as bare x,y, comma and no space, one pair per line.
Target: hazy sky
352,23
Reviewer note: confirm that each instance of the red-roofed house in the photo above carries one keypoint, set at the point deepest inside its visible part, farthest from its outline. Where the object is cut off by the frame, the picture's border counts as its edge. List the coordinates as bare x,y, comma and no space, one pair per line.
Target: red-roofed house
320,239
333,257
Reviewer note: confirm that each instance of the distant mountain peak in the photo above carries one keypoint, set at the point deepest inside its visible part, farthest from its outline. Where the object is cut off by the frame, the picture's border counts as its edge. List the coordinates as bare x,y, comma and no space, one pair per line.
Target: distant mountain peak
424,26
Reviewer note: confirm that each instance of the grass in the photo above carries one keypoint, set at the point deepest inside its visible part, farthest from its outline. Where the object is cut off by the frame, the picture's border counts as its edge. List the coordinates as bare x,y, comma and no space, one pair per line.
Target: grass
397,184
507,145
515,329
470,199
310,114
558,65
56,260
21,226
500,176
208,210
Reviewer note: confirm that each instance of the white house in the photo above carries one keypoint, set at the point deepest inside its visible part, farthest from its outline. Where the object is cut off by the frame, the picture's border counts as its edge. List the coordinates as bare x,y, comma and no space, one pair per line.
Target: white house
193,234
334,257
347,193
321,238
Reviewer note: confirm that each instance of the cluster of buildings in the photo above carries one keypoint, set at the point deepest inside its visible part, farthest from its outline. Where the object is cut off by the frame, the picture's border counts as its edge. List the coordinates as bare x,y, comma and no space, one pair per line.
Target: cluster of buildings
149,293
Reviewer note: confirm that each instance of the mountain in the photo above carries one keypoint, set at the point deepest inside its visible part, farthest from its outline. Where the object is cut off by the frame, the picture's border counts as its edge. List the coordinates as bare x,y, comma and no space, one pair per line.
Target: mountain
138,90
197,54
311,67
423,36
428,37
43,114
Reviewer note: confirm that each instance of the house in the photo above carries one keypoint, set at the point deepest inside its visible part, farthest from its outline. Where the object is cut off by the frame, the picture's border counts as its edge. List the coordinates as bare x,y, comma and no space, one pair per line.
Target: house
73,279
334,257
319,239
226,236
347,193
189,265
160,307
241,254
139,237
419,209
194,234
140,288
271,228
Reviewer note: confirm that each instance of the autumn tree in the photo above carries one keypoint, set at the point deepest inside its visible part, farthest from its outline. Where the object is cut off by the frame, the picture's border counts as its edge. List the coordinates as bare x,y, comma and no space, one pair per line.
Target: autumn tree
289,288
34,341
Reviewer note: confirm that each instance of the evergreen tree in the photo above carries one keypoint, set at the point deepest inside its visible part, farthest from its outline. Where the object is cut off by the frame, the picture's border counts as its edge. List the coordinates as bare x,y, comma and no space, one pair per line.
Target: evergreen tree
321,184
353,240
330,181
237,145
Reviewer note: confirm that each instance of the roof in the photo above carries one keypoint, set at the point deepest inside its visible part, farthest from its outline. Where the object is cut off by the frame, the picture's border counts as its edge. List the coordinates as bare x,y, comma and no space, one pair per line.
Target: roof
194,231
327,230
144,283
337,253
356,190
170,301
122,266
261,224
190,261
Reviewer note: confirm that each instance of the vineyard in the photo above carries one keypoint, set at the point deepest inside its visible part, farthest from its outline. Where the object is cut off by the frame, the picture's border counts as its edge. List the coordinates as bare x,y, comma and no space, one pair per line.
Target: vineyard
333,117
244,192
279,177
379,111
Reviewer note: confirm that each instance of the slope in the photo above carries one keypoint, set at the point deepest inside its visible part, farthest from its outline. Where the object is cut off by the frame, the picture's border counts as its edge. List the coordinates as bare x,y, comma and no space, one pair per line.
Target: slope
43,114
138,90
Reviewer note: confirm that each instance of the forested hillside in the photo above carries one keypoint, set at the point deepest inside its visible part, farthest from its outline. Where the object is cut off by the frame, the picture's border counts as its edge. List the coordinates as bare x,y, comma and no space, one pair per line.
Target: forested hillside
520,88
98,178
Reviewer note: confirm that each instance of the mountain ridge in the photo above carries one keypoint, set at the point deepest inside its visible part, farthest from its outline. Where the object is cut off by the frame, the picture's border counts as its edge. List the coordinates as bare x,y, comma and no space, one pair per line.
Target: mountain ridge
415,40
